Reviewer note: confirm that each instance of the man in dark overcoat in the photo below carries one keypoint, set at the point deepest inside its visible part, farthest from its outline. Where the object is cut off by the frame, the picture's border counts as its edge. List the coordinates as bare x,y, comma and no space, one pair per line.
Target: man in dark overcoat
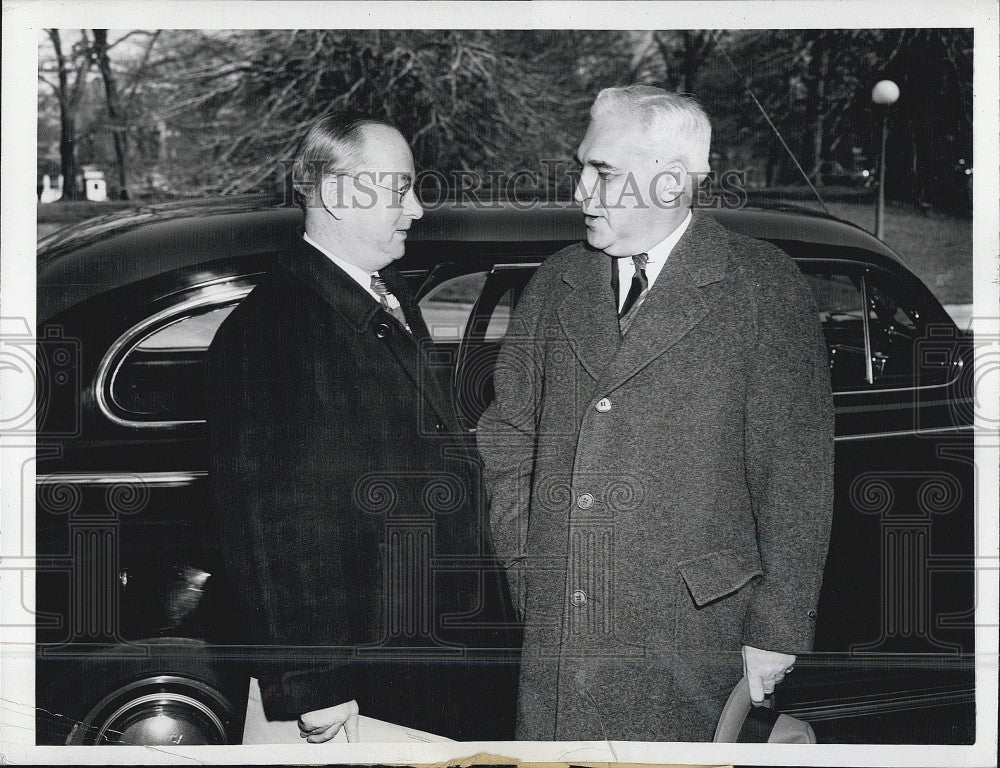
660,450
348,495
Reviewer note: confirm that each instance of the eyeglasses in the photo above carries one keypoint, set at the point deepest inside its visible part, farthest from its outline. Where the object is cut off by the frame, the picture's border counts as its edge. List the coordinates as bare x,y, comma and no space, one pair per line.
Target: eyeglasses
369,177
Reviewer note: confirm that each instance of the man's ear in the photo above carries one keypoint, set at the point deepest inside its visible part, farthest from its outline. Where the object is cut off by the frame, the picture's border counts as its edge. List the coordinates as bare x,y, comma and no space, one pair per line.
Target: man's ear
671,183
331,195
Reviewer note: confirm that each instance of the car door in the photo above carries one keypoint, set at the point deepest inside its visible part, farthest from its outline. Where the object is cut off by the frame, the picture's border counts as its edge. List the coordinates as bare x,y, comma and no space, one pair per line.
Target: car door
130,589
893,657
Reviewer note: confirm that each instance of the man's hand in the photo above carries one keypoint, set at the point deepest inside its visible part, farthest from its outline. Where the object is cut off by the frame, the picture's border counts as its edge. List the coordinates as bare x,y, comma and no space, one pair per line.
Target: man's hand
764,670
323,724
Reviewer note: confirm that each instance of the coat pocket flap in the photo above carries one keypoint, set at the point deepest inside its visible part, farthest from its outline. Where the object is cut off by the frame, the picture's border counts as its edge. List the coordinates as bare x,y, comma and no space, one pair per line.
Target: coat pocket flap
717,574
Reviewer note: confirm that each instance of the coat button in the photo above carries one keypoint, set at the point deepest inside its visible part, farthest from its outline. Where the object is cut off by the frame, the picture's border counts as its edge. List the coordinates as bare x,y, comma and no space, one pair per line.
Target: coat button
586,501
382,330
811,614
603,405
579,597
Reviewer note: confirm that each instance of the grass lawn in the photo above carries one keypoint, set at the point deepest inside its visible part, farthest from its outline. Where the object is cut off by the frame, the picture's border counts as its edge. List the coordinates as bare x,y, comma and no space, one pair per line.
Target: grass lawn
937,247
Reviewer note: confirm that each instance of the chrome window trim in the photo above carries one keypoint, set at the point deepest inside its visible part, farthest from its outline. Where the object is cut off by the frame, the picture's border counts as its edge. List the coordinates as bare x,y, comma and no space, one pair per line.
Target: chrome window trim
957,365
211,283
904,433
901,406
882,435
157,479
213,293
504,267
866,329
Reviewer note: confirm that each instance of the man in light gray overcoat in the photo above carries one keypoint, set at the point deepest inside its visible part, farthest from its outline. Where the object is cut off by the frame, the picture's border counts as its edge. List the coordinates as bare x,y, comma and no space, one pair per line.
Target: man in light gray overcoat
660,451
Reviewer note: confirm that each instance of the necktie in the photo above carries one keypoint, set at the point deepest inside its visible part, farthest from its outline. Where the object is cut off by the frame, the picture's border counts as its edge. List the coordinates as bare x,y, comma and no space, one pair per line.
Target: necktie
639,284
389,302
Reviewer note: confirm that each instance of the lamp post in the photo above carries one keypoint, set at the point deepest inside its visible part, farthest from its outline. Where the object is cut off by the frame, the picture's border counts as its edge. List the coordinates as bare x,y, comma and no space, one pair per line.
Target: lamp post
885,93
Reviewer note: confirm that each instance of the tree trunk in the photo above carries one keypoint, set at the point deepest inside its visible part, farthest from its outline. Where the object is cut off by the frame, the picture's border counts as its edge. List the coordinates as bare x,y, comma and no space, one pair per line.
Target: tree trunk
817,88
67,157
119,127
773,163
697,46
67,125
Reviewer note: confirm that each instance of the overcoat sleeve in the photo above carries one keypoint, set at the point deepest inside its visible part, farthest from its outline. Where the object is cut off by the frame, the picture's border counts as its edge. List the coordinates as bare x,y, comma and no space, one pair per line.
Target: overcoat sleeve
789,429
507,433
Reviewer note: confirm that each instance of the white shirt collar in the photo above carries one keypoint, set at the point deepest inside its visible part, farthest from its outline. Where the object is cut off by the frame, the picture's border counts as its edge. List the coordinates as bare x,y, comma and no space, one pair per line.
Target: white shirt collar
658,253
657,258
356,273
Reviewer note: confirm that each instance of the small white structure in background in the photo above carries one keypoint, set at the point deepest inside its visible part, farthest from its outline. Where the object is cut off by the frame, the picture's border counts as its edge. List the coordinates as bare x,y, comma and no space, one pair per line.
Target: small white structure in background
95,187
49,193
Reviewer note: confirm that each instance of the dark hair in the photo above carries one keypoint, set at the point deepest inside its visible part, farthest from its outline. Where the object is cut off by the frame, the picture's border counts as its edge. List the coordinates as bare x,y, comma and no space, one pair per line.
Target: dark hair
334,143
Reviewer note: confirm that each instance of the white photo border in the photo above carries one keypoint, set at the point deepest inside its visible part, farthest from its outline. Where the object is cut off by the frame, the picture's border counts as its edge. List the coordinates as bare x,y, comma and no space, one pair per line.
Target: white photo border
22,23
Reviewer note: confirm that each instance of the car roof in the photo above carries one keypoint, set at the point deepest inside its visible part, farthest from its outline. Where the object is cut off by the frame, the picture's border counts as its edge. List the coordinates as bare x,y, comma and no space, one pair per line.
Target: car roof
101,254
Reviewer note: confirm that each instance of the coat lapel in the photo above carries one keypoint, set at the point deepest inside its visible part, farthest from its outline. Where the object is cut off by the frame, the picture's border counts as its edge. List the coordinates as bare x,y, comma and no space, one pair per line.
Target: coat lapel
415,352
675,303
587,311
316,273
359,311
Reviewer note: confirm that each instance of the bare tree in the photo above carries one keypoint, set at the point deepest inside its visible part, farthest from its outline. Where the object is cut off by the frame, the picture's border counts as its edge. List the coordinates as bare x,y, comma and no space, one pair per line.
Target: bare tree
71,74
683,54
671,59
466,100
207,111
116,115
117,110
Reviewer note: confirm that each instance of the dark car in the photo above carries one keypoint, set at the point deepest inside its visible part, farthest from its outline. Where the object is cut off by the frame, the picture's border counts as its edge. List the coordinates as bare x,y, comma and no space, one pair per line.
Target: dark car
137,638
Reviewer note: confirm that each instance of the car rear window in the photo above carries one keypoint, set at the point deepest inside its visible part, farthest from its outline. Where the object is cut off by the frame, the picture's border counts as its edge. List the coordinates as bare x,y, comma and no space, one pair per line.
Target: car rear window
161,378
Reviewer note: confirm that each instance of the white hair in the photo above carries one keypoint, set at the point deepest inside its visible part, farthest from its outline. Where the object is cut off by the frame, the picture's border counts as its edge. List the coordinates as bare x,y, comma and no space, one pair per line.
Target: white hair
673,121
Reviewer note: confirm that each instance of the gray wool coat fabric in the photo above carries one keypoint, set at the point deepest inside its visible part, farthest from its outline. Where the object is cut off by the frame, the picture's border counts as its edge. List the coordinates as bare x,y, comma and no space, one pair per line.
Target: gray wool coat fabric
660,499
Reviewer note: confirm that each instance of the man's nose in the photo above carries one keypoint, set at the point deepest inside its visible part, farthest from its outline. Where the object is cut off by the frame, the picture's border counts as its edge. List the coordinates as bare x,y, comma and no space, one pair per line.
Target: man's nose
586,191
586,195
412,206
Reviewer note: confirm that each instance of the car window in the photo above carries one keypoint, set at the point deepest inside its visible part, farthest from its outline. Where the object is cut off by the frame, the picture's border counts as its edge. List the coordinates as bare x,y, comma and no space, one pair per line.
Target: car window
162,377
844,294
895,328
842,290
500,317
481,340
447,306
840,304
192,333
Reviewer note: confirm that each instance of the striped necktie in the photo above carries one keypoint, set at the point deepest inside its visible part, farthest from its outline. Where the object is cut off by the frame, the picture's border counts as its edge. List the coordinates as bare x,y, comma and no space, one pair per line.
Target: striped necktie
636,293
389,302
640,284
